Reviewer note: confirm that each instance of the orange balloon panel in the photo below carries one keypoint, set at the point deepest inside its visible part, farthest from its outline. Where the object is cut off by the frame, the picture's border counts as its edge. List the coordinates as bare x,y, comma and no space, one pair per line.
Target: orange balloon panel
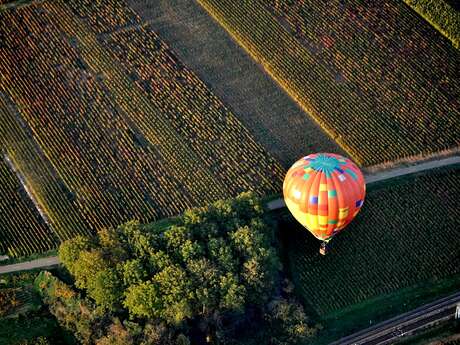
324,192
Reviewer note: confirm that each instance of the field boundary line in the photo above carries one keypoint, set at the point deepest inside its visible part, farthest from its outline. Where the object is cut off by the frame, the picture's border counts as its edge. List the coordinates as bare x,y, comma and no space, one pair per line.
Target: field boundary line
22,181
42,180
439,14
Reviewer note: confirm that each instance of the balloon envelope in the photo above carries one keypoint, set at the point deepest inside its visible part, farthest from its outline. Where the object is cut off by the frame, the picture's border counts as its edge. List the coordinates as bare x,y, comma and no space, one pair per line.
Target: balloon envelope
324,192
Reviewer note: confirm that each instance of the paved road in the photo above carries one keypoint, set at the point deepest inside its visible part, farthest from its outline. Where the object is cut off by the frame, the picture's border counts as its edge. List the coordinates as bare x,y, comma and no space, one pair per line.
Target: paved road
29,265
388,332
389,174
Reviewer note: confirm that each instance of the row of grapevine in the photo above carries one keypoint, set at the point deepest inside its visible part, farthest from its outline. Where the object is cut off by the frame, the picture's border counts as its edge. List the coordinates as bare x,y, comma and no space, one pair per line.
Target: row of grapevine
441,15
41,179
398,113
193,113
81,130
22,231
199,117
406,234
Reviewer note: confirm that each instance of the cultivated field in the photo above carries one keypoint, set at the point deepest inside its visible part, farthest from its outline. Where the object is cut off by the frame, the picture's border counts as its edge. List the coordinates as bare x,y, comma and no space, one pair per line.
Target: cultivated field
274,119
444,15
55,200
379,79
22,231
407,234
128,130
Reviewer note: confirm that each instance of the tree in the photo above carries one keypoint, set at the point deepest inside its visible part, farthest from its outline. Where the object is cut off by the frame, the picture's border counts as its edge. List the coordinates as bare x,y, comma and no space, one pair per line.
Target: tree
117,334
143,299
69,251
288,323
132,272
74,313
106,289
86,268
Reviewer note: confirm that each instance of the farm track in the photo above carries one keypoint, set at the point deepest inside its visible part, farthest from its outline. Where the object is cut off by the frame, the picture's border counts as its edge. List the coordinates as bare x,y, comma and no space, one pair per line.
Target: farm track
47,262
389,174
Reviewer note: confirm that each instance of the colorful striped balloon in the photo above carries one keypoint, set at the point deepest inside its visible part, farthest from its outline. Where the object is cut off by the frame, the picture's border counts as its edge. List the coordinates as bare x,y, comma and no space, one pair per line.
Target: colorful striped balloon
324,192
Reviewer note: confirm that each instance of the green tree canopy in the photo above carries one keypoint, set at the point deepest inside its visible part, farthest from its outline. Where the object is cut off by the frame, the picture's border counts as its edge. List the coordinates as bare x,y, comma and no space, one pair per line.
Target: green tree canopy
201,271
216,258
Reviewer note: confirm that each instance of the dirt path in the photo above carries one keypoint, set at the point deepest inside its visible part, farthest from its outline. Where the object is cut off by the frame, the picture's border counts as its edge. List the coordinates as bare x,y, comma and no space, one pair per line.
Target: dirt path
30,265
240,82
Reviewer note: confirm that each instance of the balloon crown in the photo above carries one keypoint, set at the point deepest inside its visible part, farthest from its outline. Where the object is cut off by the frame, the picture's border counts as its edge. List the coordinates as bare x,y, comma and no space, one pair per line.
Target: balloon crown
326,164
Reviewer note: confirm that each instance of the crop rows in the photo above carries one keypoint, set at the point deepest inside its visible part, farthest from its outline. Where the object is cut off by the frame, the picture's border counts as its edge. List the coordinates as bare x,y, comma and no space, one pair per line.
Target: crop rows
187,107
196,115
48,190
406,234
214,134
120,150
80,129
441,15
22,231
104,16
384,95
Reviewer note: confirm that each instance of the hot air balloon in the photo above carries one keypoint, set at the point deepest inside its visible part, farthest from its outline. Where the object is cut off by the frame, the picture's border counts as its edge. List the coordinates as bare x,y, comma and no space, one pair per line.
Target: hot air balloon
324,192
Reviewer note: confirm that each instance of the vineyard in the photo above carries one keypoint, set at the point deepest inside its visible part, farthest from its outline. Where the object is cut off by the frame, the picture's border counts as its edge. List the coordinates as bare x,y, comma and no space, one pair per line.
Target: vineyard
119,128
408,235
378,79
41,181
22,231
442,15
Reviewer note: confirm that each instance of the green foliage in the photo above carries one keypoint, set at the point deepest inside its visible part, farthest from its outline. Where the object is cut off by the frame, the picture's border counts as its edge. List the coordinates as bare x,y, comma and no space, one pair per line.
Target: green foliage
442,16
212,262
74,313
288,323
69,251
132,271
105,289
27,329
283,321
8,301
233,294
88,265
17,279
36,341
